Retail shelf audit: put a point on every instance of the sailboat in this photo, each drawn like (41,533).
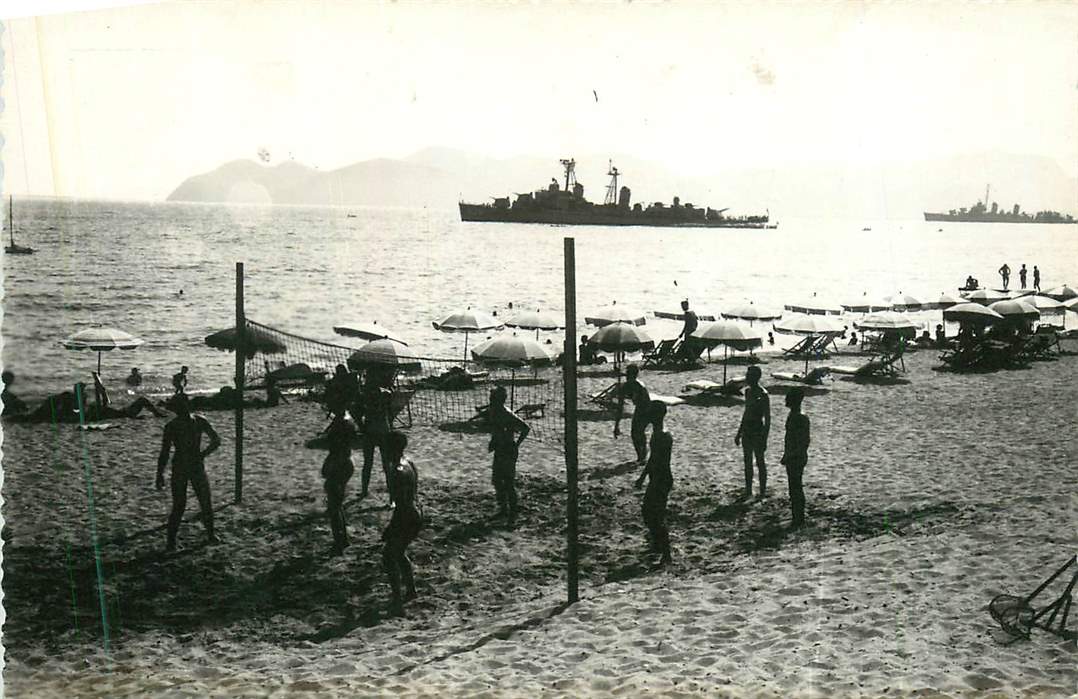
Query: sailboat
(14,249)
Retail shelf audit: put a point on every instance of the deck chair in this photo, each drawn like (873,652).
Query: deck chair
(608,397)
(733,386)
(1017,616)
(803,347)
(400,408)
(880,365)
(811,378)
(662,354)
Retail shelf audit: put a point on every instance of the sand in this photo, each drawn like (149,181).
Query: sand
(925,500)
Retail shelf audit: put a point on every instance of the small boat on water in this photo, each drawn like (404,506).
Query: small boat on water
(13,248)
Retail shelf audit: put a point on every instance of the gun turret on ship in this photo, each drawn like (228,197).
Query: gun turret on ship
(566,205)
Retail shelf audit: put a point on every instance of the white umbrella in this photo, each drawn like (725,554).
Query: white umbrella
(1044,304)
(905,302)
(888,321)
(868,304)
(815,305)
(971,312)
(1015,309)
(367,331)
(751,312)
(728,335)
(621,337)
(1062,293)
(987,296)
(615,314)
(1071,304)
(801,324)
(536,320)
(511,351)
(467,322)
(102,340)
(945,301)
(384,353)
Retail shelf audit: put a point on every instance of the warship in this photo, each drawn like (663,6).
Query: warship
(980,213)
(567,206)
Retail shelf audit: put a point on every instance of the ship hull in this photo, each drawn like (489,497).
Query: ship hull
(490,214)
(988,218)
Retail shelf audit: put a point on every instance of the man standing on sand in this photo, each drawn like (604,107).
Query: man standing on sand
(374,405)
(691,323)
(752,432)
(1005,273)
(661,481)
(638,394)
(795,454)
(1022,276)
(336,470)
(504,425)
(405,523)
(1036,278)
(184,433)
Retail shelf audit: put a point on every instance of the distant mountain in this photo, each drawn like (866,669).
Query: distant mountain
(440,177)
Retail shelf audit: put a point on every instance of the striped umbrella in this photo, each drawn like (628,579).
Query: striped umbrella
(102,340)
(728,335)
(467,322)
(987,296)
(384,353)
(814,305)
(1062,293)
(888,321)
(800,324)
(904,302)
(971,312)
(1015,310)
(751,312)
(868,304)
(945,300)
(1071,304)
(615,314)
(513,352)
(1044,304)
(536,320)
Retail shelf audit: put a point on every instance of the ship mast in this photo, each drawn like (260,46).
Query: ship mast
(987,187)
(612,188)
(570,172)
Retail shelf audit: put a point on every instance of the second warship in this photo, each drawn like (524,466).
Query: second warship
(980,213)
(555,205)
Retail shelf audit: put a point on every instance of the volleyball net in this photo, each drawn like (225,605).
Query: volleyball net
(451,394)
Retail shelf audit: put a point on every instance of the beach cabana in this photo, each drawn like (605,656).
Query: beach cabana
(615,314)
(727,334)
(101,340)
(468,322)
(814,305)
(367,331)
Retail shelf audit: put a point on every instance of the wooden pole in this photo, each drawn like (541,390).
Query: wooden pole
(241,336)
(569,367)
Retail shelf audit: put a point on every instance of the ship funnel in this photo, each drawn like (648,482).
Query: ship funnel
(624,197)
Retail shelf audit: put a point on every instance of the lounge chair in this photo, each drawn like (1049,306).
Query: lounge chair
(733,386)
(804,346)
(879,365)
(400,408)
(811,378)
(662,354)
(608,397)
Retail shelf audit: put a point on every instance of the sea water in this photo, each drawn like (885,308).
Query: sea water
(124,264)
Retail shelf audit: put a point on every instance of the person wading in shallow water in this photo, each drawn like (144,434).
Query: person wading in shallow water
(184,434)
(405,523)
(752,433)
(660,483)
(637,392)
(337,469)
(505,425)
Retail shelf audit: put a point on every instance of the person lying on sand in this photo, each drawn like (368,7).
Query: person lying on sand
(405,523)
(102,409)
(505,425)
(661,481)
(183,434)
(13,405)
(337,468)
(64,407)
(637,392)
(795,454)
(752,433)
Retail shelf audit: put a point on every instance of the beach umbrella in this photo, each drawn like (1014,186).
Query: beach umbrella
(868,304)
(904,302)
(888,321)
(728,335)
(101,340)
(1017,310)
(615,314)
(621,337)
(384,353)
(467,322)
(1044,304)
(751,312)
(678,315)
(801,324)
(367,331)
(1062,293)
(986,296)
(945,301)
(255,340)
(536,320)
(971,312)
(815,305)
(513,352)
(1071,304)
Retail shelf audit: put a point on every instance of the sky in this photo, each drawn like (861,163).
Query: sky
(128,102)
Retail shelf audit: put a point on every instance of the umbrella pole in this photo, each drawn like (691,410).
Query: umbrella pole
(99,362)
(512,386)
(465,348)
(725,356)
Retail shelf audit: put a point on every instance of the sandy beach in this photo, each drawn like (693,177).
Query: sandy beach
(925,499)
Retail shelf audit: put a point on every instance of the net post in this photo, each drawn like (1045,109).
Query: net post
(569,369)
(241,332)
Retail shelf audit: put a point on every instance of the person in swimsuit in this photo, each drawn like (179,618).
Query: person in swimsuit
(690,326)
(134,378)
(336,470)
(13,405)
(179,381)
(1005,273)
(1036,278)
(342,392)
(373,405)
(795,454)
(507,432)
(1022,276)
(184,434)
(661,481)
(404,525)
(637,392)
(752,433)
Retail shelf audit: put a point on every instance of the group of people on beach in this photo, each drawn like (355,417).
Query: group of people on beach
(752,436)
(1005,275)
